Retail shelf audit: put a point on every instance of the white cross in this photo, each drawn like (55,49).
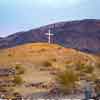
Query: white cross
(49,36)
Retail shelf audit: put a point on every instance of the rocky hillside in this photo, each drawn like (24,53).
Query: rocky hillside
(38,52)
(31,68)
(83,35)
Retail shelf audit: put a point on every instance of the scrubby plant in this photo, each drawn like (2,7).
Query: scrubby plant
(17,66)
(88,69)
(17,96)
(54,59)
(98,65)
(19,69)
(47,64)
(59,48)
(67,80)
(18,80)
(9,55)
(42,50)
(80,67)
(84,68)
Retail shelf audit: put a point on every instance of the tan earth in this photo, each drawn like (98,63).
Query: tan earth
(39,60)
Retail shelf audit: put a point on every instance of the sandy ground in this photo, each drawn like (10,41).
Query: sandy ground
(46,96)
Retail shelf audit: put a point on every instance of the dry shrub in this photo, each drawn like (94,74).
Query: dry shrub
(67,80)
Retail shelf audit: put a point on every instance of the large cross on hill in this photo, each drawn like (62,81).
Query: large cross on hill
(49,34)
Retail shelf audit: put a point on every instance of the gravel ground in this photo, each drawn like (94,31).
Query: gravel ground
(46,96)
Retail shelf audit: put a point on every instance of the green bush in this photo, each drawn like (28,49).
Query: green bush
(18,80)
(80,67)
(88,69)
(47,64)
(19,69)
(9,55)
(66,80)
(54,59)
(98,65)
(84,68)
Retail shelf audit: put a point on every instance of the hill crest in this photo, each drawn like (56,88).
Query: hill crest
(83,35)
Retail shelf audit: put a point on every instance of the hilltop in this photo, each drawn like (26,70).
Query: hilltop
(38,52)
(83,35)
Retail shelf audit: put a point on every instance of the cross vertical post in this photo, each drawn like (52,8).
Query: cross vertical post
(49,34)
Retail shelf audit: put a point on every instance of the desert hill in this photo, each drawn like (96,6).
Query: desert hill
(83,35)
(40,62)
(37,52)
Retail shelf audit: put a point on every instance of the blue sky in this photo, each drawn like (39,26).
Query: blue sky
(21,15)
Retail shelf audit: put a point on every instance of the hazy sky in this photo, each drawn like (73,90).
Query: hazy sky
(20,15)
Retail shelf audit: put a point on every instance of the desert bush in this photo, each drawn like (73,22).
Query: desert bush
(19,69)
(47,64)
(67,66)
(18,80)
(54,59)
(98,65)
(59,48)
(88,69)
(17,96)
(9,55)
(80,67)
(42,50)
(84,68)
(67,80)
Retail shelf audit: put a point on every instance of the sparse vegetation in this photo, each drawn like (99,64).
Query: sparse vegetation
(54,59)
(59,48)
(9,55)
(18,80)
(48,58)
(84,68)
(42,50)
(66,80)
(88,69)
(47,64)
(19,69)
(98,65)
(17,95)
(80,67)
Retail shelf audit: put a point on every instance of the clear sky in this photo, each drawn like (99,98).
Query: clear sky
(20,15)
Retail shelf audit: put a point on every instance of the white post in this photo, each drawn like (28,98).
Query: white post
(49,36)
